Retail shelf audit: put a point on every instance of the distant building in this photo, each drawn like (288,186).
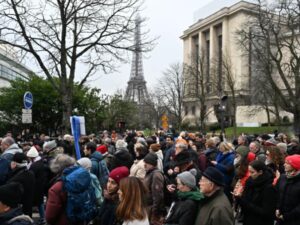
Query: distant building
(10,68)
(214,36)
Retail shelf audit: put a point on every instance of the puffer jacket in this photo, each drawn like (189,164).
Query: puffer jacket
(288,202)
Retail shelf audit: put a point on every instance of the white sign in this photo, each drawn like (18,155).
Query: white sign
(26,111)
(26,118)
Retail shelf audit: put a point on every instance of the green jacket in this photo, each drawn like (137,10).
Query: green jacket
(215,210)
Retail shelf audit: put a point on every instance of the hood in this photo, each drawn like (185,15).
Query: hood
(17,214)
(14,148)
(159,154)
(97,155)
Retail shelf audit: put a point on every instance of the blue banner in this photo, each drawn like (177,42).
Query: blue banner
(76,134)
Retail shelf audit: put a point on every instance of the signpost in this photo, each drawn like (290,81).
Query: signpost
(27,112)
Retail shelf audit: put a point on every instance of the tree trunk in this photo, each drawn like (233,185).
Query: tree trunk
(234,119)
(268,116)
(297,122)
(67,97)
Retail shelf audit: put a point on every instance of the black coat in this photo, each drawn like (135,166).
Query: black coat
(183,212)
(289,199)
(258,200)
(27,180)
(5,218)
(40,174)
(107,212)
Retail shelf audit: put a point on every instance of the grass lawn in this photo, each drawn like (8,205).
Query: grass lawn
(257,130)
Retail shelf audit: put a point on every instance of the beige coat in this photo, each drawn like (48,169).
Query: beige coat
(138,169)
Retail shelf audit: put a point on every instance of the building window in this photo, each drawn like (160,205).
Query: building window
(186,109)
(194,110)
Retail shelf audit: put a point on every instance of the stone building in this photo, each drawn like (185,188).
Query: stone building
(210,44)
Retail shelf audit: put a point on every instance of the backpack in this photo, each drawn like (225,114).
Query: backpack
(81,198)
(102,172)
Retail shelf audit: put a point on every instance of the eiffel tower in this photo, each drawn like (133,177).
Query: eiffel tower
(136,89)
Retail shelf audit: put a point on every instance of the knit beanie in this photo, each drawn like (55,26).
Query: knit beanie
(151,158)
(214,175)
(32,153)
(188,178)
(102,149)
(85,163)
(19,158)
(119,173)
(11,194)
(294,161)
(243,151)
(49,146)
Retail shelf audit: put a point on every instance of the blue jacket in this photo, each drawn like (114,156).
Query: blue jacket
(99,168)
(225,165)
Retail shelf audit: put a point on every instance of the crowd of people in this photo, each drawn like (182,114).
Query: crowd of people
(130,179)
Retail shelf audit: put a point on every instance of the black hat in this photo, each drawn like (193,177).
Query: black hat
(182,158)
(151,158)
(214,175)
(11,194)
(19,158)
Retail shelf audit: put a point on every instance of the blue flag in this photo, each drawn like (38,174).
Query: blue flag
(76,134)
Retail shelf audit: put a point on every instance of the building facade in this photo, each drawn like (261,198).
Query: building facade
(211,45)
(10,68)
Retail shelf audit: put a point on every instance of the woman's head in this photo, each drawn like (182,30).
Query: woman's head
(115,176)
(224,147)
(274,155)
(257,168)
(132,204)
(140,150)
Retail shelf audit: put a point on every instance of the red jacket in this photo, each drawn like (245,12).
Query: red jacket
(56,205)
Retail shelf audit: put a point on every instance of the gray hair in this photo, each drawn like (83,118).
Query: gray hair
(107,140)
(8,140)
(182,146)
(121,144)
(60,162)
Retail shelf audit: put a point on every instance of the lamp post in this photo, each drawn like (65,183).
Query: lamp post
(222,108)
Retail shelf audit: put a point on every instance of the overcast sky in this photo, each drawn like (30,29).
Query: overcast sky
(166,19)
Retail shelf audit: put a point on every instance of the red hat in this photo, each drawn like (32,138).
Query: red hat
(251,157)
(102,149)
(294,161)
(119,173)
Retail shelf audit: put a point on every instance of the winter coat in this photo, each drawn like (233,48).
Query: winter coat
(138,169)
(10,151)
(225,165)
(4,170)
(288,202)
(211,155)
(107,212)
(215,210)
(40,174)
(56,206)
(56,203)
(137,222)
(99,168)
(122,157)
(154,181)
(27,180)
(160,159)
(168,158)
(15,217)
(258,200)
(184,210)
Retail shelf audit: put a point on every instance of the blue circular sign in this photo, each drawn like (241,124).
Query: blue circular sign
(28,100)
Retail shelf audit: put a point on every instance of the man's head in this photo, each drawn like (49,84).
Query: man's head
(60,162)
(18,160)
(179,147)
(254,146)
(10,196)
(89,148)
(150,161)
(211,181)
(6,142)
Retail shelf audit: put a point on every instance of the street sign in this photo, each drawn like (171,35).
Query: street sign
(26,118)
(28,100)
(26,111)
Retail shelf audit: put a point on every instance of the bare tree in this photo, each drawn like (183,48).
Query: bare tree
(171,89)
(273,39)
(230,87)
(62,35)
(197,85)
